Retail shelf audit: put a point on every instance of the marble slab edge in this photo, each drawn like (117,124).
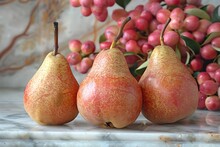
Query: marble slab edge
(107,136)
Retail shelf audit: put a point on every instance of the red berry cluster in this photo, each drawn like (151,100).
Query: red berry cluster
(194,33)
(82,55)
(209,81)
(96,7)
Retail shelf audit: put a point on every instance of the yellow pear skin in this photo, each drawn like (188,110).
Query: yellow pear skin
(110,95)
(170,93)
(50,96)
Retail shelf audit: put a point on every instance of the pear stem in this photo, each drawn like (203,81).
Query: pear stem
(120,32)
(55,38)
(162,33)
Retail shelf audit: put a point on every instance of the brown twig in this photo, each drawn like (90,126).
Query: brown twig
(55,38)
(120,32)
(162,33)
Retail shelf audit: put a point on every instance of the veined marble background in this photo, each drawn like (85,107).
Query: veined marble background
(26,34)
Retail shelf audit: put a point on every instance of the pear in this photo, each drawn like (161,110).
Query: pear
(109,95)
(170,93)
(50,95)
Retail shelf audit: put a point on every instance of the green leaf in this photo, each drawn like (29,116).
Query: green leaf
(204,8)
(133,68)
(102,38)
(193,45)
(178,53)
(198,12)
(140,70)
(129,53)
(210,37)
(187,58)
(216,17)
(139,55)
(217,59)
(195,74)
(216,48)
(123,3)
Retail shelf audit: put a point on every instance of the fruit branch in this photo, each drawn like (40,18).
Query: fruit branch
(120,32)
(162,33)
(152,23)
(56,38)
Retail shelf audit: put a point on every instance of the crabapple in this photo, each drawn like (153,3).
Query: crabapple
(75,45)
(86,11)
(153,7)
(171,38)
(217,76)
(141,24)
(146,15)
(216,42)
(202,76)
(214,27)
(75,3)
(105,45)
(130,34)
(172,2)
(199,36)
(191,23)
(201,103)
(119,13)
(146,47)
(203,25)
(212,103)
(208,87)
(74,58)
(208,52)
(211,68)
(196,64)
(154,38)
(88,47)
(131,59)
(84,65)
(163,15)
(132,46)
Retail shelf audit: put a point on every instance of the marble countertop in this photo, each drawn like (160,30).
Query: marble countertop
(17,129)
